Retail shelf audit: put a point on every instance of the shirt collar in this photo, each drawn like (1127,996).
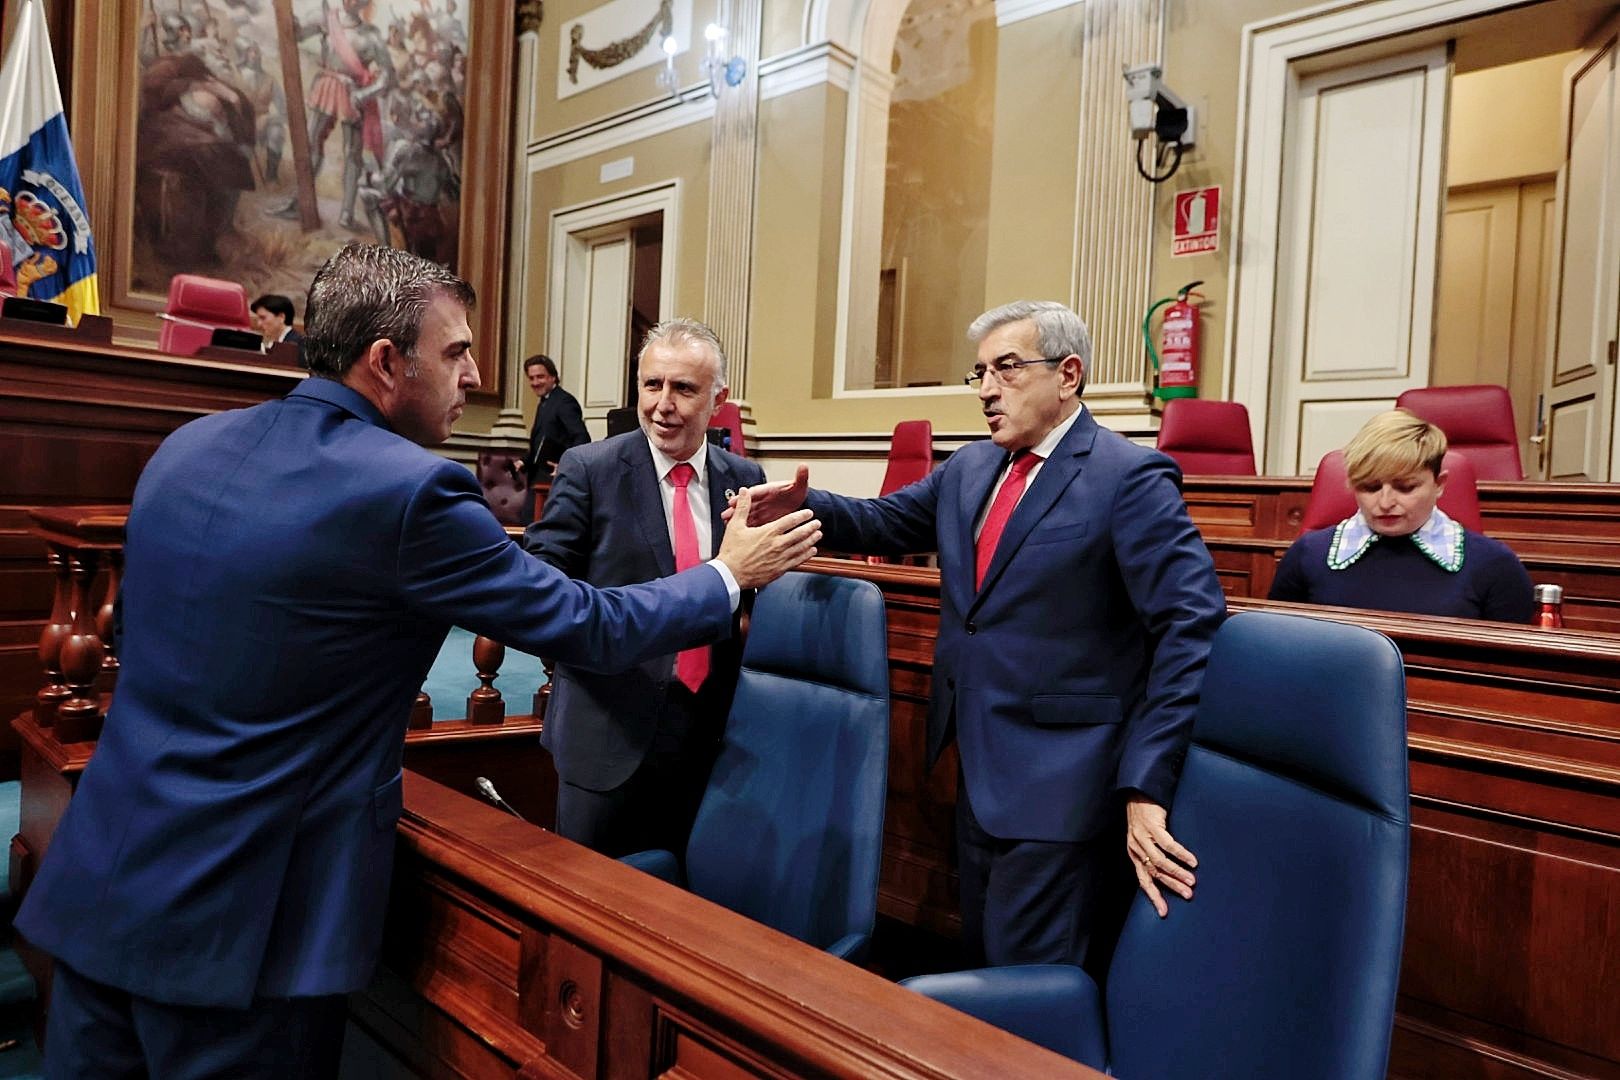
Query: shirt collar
(662,462)
(1048,446)
(343,396)
(1440,538)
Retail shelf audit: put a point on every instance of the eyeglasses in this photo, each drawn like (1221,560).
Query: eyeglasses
(1002,368)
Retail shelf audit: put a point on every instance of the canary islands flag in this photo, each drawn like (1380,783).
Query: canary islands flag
(44,229)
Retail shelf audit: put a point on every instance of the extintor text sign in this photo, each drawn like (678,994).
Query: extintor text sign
(1198,221)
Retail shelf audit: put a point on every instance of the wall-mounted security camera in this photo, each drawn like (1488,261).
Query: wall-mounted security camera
(1157,110)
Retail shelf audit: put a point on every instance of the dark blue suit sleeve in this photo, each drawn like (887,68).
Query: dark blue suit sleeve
(572,421)
(562,536)
(1506,592)
(1290,583)
(456,563)
(902,523)
(1171,580)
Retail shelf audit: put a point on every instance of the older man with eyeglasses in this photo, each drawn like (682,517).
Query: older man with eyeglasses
(1077,605)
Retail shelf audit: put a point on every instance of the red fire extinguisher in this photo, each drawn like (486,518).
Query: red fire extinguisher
(1175,361)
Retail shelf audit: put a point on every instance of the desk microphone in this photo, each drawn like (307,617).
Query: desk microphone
(487,790)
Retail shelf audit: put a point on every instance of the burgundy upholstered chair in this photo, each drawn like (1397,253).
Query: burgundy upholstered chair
(911,455)
(728,416)
(1332,500)
(197,307)
(1207,437)
(1478,422)
(503,489)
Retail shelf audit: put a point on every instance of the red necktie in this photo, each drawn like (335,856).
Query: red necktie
(691,666)
(995,521)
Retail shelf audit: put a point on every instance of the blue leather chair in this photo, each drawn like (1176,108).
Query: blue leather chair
(1285,962)
(790,829)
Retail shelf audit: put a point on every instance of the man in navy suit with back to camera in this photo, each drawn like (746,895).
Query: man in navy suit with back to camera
(634,748)
(1077,606)
(219,881)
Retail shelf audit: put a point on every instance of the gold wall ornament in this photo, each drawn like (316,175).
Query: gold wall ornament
(529,15)
(616,53)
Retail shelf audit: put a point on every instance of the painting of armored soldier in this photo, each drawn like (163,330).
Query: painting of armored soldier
(271,132)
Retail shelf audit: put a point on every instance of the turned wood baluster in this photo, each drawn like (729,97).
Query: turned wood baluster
(55,691)
(484,705)
(421,712)
(107,681)
(78,719)
(542,695)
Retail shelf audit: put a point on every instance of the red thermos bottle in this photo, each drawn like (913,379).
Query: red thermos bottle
(1549,606)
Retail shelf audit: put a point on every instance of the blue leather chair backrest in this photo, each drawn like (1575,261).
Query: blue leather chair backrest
(790,830)
(1294,797)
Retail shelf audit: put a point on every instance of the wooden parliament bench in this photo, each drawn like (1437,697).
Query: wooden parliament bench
(1565,534)
(1513,918)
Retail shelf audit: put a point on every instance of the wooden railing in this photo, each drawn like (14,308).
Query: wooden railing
(1565,534)
(510,950)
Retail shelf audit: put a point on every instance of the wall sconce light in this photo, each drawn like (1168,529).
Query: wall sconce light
(718,68)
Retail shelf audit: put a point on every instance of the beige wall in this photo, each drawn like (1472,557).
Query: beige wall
(1032,188)
(1202,59)
(1506,123)
(551,115)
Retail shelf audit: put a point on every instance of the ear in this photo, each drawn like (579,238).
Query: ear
(720,397)
(1440,479)
(1071,370)
(382,364)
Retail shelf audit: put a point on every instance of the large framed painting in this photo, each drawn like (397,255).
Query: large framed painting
(251,139)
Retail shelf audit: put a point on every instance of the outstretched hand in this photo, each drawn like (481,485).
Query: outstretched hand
(771,501)
(1158,859)
(757,555)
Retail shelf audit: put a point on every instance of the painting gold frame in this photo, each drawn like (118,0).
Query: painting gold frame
(102,114)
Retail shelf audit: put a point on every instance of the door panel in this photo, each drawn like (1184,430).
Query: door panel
(1362,195)
(1580,383)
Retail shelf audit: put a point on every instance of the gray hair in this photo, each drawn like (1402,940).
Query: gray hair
(364,293)
(1059,330)
(686,331)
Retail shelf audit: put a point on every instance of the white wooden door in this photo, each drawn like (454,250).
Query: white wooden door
(1580,391)
(1363,189)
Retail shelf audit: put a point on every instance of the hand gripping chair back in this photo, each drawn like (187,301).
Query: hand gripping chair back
(1332,500)
(1478,422)
(790,829)
(1286,961)
(1295,802)
(197,306)
(1207,437)
(911,455)
(503,489)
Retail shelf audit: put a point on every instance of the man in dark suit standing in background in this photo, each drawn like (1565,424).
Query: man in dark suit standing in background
(1077,606)
(558,422)
(219,882)
(634,749)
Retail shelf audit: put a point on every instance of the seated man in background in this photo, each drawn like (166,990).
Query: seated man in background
(1077,606)
(1399,551)
(273,318)
(634,748)
(219,881)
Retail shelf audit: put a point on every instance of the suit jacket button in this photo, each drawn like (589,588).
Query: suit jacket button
(972,627)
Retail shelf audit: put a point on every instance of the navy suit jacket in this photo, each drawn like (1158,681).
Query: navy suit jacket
(291,571)
(604,523)
(1073,674)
